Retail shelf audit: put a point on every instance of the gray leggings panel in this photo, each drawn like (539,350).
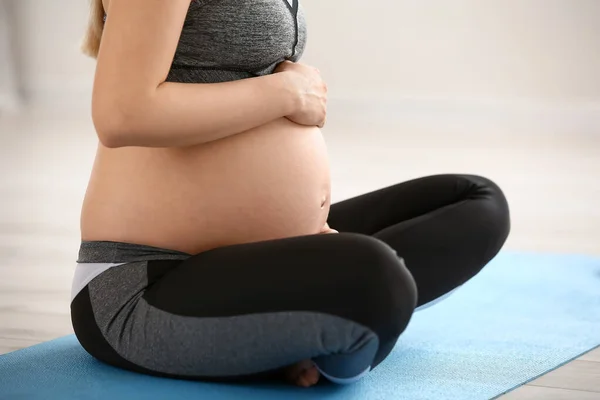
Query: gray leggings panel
(206,346)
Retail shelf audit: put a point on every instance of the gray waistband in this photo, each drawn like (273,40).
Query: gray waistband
(117,252)
(97,257)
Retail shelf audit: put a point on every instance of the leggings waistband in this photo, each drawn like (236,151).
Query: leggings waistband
(97,257)
(118,252)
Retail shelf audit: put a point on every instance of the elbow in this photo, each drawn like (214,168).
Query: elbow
(112,126)
(117,124)
(111,138)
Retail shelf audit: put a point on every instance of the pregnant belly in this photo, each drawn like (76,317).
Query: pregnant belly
(267,183)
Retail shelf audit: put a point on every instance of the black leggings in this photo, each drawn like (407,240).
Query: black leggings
(341,300)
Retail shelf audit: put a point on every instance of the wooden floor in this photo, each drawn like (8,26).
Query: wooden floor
(552,182)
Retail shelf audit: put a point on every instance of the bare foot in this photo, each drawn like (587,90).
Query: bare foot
(303,374)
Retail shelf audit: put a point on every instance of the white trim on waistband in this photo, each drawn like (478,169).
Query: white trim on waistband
(85,272)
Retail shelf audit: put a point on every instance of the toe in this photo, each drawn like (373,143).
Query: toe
(313,375)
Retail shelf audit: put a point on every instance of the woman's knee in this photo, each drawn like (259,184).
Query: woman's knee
(494,209)
(387,288)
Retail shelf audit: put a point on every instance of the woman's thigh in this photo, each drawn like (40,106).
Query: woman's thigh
(445,227)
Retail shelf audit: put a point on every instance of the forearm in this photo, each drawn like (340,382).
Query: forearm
(182,114)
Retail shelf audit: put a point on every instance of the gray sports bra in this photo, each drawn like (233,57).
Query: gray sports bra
(226,40)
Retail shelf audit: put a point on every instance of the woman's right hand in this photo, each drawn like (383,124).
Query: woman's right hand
(311,91)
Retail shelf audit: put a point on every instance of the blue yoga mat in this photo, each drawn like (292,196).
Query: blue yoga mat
(524,315)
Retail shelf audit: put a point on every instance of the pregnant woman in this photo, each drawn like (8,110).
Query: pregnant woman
(209,246)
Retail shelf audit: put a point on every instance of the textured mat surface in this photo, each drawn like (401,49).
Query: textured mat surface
(523,316)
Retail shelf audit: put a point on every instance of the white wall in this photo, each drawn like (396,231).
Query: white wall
(479,50)
(502,49)
(9,95)
(48,36)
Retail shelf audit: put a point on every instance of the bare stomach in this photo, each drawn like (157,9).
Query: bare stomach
(268,183)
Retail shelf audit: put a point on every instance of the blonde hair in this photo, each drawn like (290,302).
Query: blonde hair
(93,35)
